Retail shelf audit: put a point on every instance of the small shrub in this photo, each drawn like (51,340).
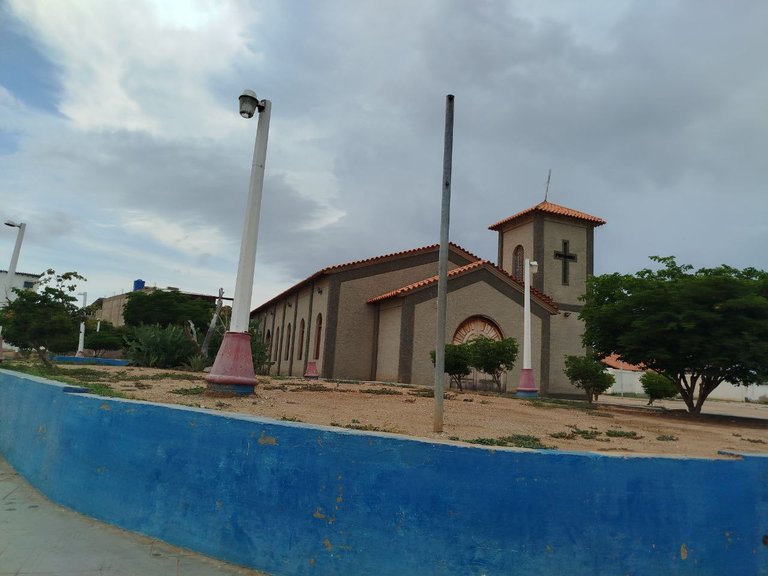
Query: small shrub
(196,363)
(588,373)
(657,386)
(157,347)
(667,438)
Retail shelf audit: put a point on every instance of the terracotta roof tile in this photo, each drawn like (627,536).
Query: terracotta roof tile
(394,255)
(458,272)
(426,282)
(613,361)
(362,263)
(551,208)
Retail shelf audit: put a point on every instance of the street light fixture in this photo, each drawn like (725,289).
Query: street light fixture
(527,387)
(14,258)
(232,371)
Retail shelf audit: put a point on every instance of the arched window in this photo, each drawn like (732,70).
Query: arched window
(301,338)
(277,343)
(475,326)
(318,335)
(269,343)
(518,263)
(287,342)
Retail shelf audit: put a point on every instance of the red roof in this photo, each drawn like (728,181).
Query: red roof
(366,262)
(393,256)
(551,208)
(543,298)
(613,361)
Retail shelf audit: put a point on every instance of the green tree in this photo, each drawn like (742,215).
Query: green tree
(657,386)
(165,308)
(696,328)
(494,357)
(45,321)
(106,339)
(457,359)
(588,373)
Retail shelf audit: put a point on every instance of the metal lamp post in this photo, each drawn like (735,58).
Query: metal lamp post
(14,258)
(527,386)
(232,371)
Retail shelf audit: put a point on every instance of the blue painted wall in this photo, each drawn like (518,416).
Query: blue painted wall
(289,498)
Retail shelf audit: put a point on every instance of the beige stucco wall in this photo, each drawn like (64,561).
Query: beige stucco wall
(476,299)
(274,318)
(521,235)
(112,309)
(355,328)
(555,232)
(566,332)
(388,357)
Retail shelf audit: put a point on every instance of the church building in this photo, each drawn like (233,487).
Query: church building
(376,319)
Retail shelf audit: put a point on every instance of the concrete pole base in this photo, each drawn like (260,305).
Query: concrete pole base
(232,371)
(527,387)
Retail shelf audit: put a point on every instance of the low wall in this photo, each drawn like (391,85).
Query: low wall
(289,498)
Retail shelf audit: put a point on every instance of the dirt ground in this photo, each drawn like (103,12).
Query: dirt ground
(612,425)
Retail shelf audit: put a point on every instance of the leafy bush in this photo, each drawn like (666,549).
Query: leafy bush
(457,362)
(588,373)
(657,386)
(493,357)
(107,338)
(158,347)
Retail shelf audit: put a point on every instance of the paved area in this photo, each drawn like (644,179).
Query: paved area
(712,407)
(38,537)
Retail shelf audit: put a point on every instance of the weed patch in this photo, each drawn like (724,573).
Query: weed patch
(631,434)
(667,438)
(382,391)
(189,391)
(515,441)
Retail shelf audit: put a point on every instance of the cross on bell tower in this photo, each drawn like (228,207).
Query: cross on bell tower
(566,258)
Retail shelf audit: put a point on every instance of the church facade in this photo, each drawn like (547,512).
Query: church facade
(376,319)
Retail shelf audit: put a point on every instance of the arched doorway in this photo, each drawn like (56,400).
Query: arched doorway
(472,328)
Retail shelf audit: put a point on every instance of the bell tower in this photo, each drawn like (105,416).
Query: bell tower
(561,241)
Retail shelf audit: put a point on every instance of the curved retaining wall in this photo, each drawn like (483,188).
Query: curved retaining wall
(290,498)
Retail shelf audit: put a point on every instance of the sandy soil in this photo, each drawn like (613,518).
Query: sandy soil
(612,425)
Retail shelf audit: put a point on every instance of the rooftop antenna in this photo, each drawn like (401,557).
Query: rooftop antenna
(546,190)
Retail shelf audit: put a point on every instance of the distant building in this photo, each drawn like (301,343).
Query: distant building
(111,309)
(21,280)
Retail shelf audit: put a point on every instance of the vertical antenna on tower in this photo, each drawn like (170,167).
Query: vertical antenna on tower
(546,190)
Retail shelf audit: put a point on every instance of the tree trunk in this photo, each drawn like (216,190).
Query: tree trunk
(43,354)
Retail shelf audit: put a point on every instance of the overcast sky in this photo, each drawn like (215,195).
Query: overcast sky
(122,149)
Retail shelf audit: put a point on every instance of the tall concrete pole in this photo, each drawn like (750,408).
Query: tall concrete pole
(442,280)
(14,259)
(232,371)
(241,306)
(527,386)
(81,339)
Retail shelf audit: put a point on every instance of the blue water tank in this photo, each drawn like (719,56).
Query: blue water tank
(138,284)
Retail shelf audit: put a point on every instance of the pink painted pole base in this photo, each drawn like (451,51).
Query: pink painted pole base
(232,371)
(311,370)
(527,387)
